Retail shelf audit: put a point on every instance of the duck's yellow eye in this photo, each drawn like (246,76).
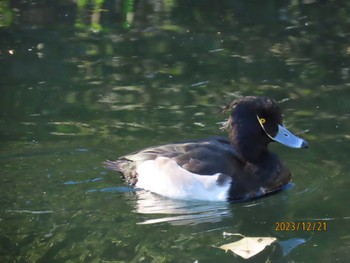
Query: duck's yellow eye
(262,120)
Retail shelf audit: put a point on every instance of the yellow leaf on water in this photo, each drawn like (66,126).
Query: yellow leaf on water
(248,246)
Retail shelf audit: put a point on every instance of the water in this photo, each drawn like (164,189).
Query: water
(77,89)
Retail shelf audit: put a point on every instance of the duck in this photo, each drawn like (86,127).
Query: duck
(236,168)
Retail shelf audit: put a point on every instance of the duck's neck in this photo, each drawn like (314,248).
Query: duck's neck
(252,152)
(250,149)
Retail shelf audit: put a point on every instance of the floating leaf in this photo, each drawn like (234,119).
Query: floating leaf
(248,246)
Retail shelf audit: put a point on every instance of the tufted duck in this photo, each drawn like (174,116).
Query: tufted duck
(234,169)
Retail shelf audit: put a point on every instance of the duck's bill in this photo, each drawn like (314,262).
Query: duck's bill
(287,138)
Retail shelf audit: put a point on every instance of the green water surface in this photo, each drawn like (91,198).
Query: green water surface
(85,81)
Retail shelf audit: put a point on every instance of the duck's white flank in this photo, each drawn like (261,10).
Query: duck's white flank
(165,177)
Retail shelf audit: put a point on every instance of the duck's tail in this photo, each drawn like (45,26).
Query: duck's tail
(125,167)
(117,165)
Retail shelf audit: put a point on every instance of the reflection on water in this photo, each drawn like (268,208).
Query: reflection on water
(288,245)
(29,211)
(81,182)
(179,212)
(84,81)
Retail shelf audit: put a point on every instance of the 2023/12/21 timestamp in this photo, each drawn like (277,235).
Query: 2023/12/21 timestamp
(301,226)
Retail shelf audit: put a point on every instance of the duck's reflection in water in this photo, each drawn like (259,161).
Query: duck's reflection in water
(179,212)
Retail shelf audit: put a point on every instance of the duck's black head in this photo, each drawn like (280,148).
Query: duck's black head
(254,123)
